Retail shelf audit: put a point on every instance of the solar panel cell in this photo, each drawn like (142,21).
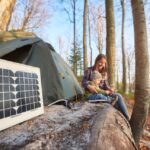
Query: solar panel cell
(13,104)
(1,96)
(0,71)
(13,112)
(1,105)
(7,112)
(1,114)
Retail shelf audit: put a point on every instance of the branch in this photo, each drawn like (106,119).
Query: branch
(68,15)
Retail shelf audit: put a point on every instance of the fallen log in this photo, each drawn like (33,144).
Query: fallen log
(91,126)
(111,131)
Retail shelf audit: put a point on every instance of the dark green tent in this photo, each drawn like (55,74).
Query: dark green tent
(58,81)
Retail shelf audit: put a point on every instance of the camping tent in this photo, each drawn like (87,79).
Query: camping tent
(58,81)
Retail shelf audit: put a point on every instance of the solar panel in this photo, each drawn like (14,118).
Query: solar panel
(20,93)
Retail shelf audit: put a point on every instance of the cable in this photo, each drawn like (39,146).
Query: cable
(60,100)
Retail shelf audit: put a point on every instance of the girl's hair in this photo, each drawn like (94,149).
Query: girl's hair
(98,58)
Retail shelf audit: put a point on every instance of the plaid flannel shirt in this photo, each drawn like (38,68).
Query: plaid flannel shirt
(87,77)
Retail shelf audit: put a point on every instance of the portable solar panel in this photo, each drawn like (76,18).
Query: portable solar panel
(20,93)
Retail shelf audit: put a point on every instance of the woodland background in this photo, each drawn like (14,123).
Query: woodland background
(80,30)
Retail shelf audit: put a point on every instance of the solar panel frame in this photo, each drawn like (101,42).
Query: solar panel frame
(20,93)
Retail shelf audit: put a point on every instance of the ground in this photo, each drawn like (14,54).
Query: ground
(145,140)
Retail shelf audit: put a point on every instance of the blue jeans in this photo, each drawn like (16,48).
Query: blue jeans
(120,105)
(99,96)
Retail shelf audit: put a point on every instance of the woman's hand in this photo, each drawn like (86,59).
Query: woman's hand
(112,90)
(92,89)
(108,92)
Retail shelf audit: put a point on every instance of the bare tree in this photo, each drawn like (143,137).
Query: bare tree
(100,30)
(110,41)
(97,24)
(130,61)
(74,35)
(6,9)
(124,63)
(89,31)
(118,73)
(72,18)
(60,42)
(142,84)
(29,15)
(85,34)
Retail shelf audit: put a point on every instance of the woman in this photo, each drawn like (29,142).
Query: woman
(101,66)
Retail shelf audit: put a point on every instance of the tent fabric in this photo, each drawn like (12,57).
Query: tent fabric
(58,80)
(9,46)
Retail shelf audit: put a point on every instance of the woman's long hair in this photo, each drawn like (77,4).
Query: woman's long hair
(99,57)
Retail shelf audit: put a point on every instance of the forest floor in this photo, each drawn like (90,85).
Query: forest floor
(145,140)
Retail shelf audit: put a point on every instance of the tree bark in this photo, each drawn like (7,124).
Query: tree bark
(96,18)
(117,79)
(111,131)
(100,35)
(124,63)
(6,9)
(129,76)
(85,34)
(60,128)
(89,30)
(110,41)
(142,84)
(74,37)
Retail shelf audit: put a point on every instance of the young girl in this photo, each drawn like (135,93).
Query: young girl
(101,95)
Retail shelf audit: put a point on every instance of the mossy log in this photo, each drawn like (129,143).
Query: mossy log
(91,126)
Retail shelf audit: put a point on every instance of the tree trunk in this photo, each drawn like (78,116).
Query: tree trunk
(100,38)
(142,84)
(117,79)
(6,9)
(124,63)
(129,73)
(111,131)
(110,41)
(74,37)
(89,29)
(85,34)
